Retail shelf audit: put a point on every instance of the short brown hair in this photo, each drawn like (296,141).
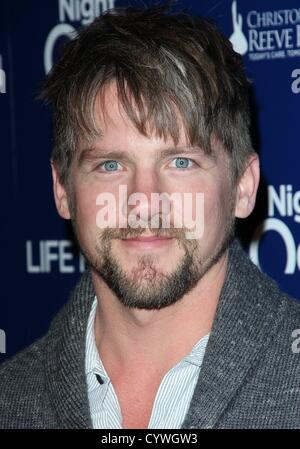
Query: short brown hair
(158,61)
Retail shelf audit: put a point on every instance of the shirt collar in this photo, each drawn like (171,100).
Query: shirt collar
(93,362)
(196,355)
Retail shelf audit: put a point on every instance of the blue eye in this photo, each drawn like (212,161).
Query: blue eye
(182,162)
(110,165)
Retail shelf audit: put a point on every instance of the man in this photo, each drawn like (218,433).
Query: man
(168,327)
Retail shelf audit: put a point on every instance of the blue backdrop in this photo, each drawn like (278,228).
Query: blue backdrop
(39,264)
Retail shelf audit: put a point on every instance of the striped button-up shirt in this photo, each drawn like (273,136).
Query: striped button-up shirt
(172,398)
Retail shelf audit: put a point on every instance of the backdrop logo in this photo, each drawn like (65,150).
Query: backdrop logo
(2,342)
(271,34)
(238,38)
(2,78)
(47,256)
(82,12)
(296,343)
(285,203)
(295,86)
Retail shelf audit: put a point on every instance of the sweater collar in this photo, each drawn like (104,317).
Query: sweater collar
(65,358)
(248,314)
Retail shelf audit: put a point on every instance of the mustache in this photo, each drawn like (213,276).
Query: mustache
(122,233)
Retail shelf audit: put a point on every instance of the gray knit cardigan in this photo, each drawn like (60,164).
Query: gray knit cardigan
(250,377)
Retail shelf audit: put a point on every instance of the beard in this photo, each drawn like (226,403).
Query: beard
(146,286)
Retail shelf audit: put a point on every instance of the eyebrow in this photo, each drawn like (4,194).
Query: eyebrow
(182,150)
(93,153)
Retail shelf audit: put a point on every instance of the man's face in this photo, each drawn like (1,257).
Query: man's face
(148,275)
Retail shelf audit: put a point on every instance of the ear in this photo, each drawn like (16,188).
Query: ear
(60,194)
(247,188)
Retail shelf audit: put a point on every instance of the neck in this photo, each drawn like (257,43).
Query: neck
(128,338)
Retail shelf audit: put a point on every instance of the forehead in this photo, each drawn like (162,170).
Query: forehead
(116,127)
(118,134)
(111,115)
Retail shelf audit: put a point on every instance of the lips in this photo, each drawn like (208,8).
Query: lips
(147,243)
(147,239)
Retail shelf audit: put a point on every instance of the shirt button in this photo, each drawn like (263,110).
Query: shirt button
(99,378)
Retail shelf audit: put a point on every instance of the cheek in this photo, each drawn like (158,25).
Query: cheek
(86,207)
(216,208)
(96,208)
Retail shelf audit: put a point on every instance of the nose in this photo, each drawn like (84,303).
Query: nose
(142,209)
